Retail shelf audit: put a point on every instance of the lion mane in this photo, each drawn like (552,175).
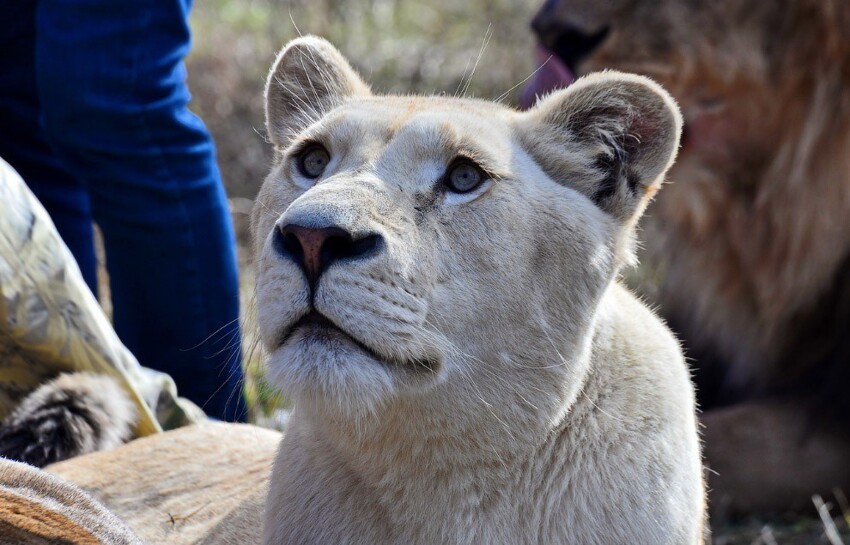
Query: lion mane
(748,249)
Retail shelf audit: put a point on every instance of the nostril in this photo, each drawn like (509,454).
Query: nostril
(292,245)
(344,246)
(537,24)
(361,247)
(286,244)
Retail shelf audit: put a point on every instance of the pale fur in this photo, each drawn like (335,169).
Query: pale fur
(521,395)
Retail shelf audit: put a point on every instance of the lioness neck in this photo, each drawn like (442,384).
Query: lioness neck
(419,490)
(414,475)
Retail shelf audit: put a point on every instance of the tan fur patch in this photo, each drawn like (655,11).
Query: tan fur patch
(31,523)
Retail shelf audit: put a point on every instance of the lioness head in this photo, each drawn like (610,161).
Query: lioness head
(433,248)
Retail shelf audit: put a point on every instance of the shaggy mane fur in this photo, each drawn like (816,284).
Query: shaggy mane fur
(763,299)
(747,250)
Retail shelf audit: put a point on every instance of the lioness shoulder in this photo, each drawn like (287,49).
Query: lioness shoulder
(437,293)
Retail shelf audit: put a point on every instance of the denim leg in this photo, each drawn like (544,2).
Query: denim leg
(111,80)
(23,142)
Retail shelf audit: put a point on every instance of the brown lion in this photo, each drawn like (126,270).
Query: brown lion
(751,242)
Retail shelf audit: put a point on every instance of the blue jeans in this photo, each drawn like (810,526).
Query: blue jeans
(93,115)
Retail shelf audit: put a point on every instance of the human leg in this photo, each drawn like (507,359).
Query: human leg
(23,142)
(111,79)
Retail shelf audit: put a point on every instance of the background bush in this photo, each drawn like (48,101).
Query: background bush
(398,47)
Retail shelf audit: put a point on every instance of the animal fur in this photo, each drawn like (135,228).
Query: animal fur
(38,508)
(752,238)
(203,484)
(71,415)
(478,376)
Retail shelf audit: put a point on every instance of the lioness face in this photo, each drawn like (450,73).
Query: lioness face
(413,246)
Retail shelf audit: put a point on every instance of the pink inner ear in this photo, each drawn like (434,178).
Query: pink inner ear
(643,128)
(552,74)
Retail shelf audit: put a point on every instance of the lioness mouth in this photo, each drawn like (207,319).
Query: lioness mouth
(315,317)
(322,326)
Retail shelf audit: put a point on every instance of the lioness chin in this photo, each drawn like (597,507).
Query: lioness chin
(437,292)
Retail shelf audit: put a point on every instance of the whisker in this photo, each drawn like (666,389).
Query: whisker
(487,35)
(501,97)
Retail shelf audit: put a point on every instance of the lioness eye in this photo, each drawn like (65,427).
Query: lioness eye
(463,177)
(313,161)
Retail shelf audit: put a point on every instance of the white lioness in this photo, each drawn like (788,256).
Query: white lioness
(437,292)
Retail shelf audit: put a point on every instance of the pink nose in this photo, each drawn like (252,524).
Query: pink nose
(315,249)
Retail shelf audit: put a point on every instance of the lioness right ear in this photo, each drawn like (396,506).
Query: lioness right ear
(611,136)
(309,78)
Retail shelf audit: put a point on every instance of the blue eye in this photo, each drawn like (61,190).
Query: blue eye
(313,161)
(464,176)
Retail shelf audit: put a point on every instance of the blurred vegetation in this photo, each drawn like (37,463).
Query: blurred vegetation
(398,47)
(787,530)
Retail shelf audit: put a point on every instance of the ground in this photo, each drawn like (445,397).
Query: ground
(478,48)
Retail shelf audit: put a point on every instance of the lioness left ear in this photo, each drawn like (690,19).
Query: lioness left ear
(611,136)
(309,78)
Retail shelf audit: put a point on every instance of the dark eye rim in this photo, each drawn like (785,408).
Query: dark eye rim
(464,161)
(302,154)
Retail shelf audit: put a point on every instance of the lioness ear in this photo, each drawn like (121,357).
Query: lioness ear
(611,136)
(309,78)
